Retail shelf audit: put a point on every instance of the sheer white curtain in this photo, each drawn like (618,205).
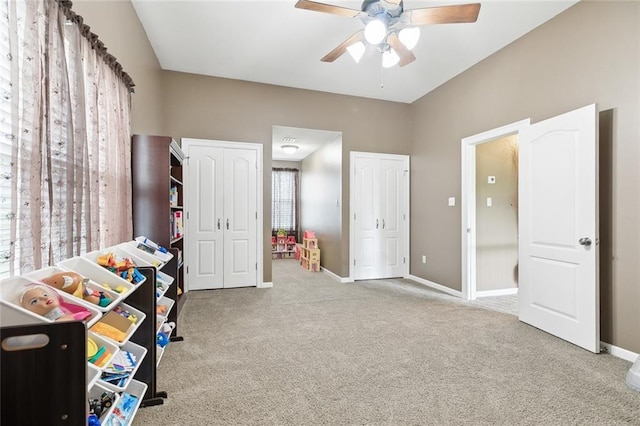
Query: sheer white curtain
(65,165)
(284,206)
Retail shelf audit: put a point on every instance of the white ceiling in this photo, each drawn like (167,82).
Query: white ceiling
(273,42)
(307,141)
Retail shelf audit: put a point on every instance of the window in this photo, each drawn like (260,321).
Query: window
(64,150)
(284,193)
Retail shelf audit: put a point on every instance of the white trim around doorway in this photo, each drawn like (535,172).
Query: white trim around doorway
(468,151)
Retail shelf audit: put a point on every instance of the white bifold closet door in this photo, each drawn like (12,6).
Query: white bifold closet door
(222,242)
(380,209)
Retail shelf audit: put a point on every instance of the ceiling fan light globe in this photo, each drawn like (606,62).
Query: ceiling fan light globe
(375,31)
(356,51)
(389,58)
(409,37)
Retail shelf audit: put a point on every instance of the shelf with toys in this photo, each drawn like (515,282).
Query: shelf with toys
(309,252)
(158,205)
(283,246)
(78,290)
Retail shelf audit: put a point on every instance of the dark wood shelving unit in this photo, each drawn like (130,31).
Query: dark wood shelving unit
(156,168)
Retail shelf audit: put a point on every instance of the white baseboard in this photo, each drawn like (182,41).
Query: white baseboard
(619,352)
(265,285)
(435,286)
(501,292)
(334,276)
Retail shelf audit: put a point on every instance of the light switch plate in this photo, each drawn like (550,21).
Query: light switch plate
(452,201)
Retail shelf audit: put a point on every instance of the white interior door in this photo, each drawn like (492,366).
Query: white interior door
(205,228)
(379,221)
(366,217)
(222,199)
(240,213)
(558,227)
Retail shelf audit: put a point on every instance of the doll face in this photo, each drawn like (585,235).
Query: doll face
(39,300)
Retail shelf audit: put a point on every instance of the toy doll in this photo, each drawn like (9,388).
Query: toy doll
(45,301)
(74,284)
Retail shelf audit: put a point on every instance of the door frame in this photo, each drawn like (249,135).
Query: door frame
(352,200)
(185,144)
(468,202)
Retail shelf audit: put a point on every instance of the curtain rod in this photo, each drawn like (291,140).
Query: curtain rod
(96,44)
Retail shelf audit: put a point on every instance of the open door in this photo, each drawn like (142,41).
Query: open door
(558,227)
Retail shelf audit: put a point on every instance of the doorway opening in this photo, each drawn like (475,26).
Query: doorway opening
(306,193)
(490,216)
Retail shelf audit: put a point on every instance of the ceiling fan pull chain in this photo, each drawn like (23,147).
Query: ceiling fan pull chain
(381,76)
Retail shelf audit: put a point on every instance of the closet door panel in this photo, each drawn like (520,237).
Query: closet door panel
(240,218)
(207,235)
(367,221)
(392,196)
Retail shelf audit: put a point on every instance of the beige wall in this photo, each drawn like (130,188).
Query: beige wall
(320,200)
(588,54)
(216,108)
(497,226)
(117,25)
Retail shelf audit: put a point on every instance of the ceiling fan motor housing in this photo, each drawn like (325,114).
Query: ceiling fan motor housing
(387,11)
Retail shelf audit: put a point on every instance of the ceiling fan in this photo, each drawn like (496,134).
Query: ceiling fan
(391,28)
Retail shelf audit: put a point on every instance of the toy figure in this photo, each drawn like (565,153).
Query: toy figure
(45,301)
(74,284)
(69,282)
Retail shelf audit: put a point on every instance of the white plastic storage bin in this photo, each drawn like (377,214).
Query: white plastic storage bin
(143,243)
(165,301)
(146,258)
(115,319)
(96,393)
(98,274)
(138,352)
(115,297)
(12,313)
(107,345)
(126,409)
(120,255)
(633,376)
(163,282)
(93,374)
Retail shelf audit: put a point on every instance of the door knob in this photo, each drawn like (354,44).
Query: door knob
(584,241)
(218,223)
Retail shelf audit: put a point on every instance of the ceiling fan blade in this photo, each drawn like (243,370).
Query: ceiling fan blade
(406,56)
(338,51)
(327,8)
(442,15)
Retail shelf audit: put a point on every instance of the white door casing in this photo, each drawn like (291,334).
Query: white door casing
(558,227)
(379,216)
(468,200)
(223,242)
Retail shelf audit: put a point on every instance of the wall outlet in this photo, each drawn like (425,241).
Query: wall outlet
(424,259)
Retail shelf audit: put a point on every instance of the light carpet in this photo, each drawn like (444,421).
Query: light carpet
(311,351)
